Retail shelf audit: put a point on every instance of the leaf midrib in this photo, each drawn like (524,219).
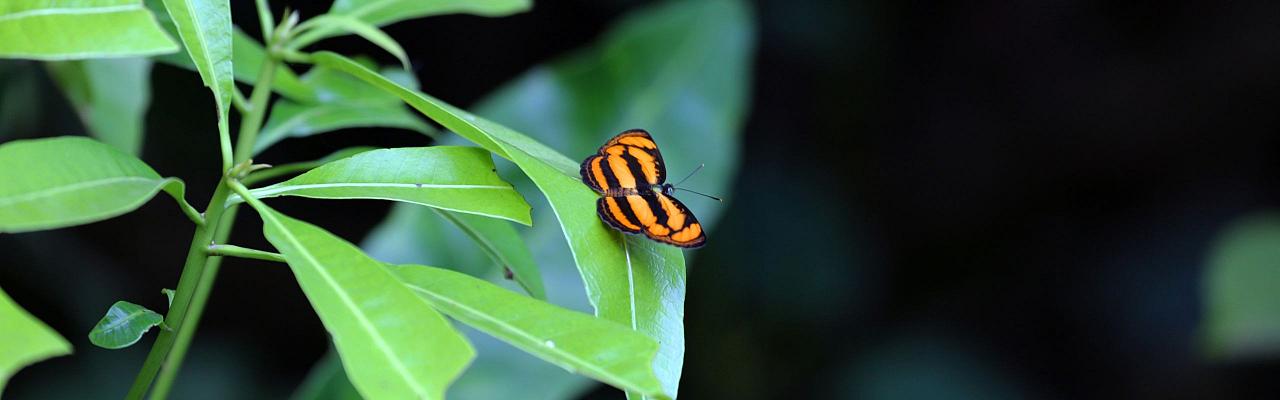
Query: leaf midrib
(363,321)
(537,342)
(285,188)
(70,11)
(24,197)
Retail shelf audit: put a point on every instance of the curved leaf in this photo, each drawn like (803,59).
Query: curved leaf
(598,348)
(67,181)
(205,29)
(503,245)
(446,177)
(634,281)
(111,96)
(1242,307)
(383,12)
(343,23)
(248,58)
(392,344)
(26,340)
(340,102)
(65,30)
(123,325)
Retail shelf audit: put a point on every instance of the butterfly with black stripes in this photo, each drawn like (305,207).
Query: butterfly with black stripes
(628,171)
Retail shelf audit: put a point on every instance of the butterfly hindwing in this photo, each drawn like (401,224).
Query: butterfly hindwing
(616,212)
(677,226)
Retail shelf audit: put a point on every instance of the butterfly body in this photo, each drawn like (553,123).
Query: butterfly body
(630,174)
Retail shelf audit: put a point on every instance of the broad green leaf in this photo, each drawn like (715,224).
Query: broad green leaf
(66,181)
(460,179)
(205,29)
(348,24)
(111,96)
(392,344)
(598,348)
(634,281)
(503,245)
(72,30)
(680,70)
(25,340)
(1242,306)
(124,325)
(341,102)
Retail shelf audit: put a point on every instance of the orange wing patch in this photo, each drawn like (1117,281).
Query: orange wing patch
(628,170)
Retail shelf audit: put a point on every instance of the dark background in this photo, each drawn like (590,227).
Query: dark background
(980,200)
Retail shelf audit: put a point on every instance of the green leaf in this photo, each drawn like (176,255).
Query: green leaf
(384,12)
(343,23)
(111,96)
(601,349)
(71,30)
(503,245)
(634,281)
(341,102)
(460,179)
(168,294)
(392,343)
(124,325)
(290,168)
(1242,307)
(67,181)
(25,340)
(205,29)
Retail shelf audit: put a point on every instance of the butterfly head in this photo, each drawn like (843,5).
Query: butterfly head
(667,189)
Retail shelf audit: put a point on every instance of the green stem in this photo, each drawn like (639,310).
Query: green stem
(192,274)
(200,270)
(227,250)
(169,370)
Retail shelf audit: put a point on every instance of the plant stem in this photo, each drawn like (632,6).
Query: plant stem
(227,250)
(169,370)
(192,274)
(200,270)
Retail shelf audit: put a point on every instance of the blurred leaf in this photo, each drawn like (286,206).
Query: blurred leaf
(393,344)
(205,29)
(680,70)
(326,381)
(63,30)
(25,340)
(20,98)
(1242,306)
(123,325)
(447,177)
(597,348)
(67,181)
(168,294)
(340,102)
(111,96)
(503,244)
(348,24)
(248,57)
(633,281)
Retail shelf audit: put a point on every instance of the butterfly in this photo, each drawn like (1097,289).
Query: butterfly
(628,171)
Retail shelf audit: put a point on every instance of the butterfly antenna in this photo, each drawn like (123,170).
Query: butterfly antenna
(702,194)
(686,177)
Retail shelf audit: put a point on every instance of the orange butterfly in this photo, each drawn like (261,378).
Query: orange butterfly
(629,172)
